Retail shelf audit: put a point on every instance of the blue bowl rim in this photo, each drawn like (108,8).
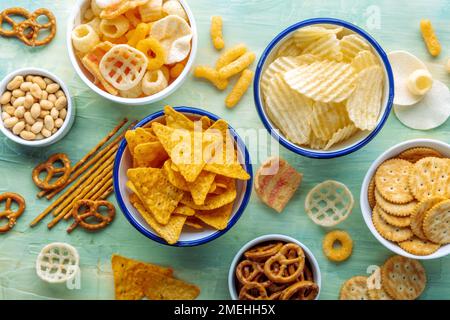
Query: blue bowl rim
(191,243)
(264,118)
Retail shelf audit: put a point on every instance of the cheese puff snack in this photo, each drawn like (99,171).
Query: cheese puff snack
(114,28)
(138,34)
(154,82)
(216,32)
(157,55)
(84,38)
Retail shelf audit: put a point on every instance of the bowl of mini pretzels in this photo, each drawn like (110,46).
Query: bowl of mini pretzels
(274,267)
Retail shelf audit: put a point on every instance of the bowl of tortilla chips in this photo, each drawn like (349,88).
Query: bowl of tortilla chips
(182,176)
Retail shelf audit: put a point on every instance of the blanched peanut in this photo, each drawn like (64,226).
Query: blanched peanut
(63,114)
(48,81)
(43,114)
(44,95)
(46,105)
(29,118)
(26,86)
(11,122)
(18,93)
(46,133)
(29,100)
(40,82)
(19,113)
(6,115)
(18,127)
(39,137)
(19,102)
(59,93)
(52,98)
(27,135)
(35,110)
(36,91)
(54,113)
(49,123)
(37,127)
(54,130)
(59,123)
(29,78)
(27,127)
(9,109)
(6,97)
(61,103)
(52,88)
(12,100)
(15,83)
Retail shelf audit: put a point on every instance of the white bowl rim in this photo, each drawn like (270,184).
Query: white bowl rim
(272,237)
(67,121)
(366,211)
(134,101)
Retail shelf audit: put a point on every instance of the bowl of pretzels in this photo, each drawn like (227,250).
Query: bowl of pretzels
(132,52)
(274,267)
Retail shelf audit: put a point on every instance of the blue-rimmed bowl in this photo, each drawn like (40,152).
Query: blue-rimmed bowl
(361,138)
(189,236)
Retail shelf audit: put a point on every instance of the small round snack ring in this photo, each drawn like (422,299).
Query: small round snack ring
(5,17)
(92,211)
(153,51)
(277,267)
(263,252)
(340,253)
(49,166)
(253,291)
(7,213)
(36,28)
(57,263)
(247,271)
(302,290)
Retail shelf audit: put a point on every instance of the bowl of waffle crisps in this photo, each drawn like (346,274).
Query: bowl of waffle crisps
(182,176)
(324,88)
(274,267)
(132,52)
(405,199)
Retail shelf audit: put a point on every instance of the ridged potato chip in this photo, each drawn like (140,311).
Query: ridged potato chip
(341,135)
(351,45)
(324,81)
(306,35)
(363,60)
(289,49)
(328,118)
(326,47)
(364,105)
(289,110)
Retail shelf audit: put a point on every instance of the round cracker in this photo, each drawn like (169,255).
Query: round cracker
(403,278)
(399,210)
(430,177)
(378,294)
(415,154)
(436,224)
(419,247)
(371,193)
(354,289)
(395,221)
(389,232)
(419,213)
(391,180)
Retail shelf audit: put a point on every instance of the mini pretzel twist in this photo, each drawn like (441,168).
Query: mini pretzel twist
(5,17)
(251,272)
(263,252)
(52,171)
(253,291)
(287,265)
(9,214)
(92,211)
(36,27)
(302,290)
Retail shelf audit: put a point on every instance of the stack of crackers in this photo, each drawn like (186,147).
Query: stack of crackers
(410,198)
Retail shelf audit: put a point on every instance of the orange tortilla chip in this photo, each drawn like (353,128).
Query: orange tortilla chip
(213,201)
(217,218)
(193,222)
(177,120)
(171,231)
(124,270)
(150,154)
(136,137)
(157,194)
(184,210)
(175,177)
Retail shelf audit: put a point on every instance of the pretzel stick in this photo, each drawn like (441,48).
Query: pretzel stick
(105,193)
(72,188)
(89,154)
(85,190)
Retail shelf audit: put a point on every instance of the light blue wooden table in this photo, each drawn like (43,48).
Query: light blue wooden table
(254,22)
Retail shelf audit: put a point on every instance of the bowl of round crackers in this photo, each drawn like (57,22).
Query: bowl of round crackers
(182,176)
(405,199)
(324,88)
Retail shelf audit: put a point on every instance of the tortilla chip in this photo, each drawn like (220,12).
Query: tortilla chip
(175,177)
(232,170)
(193,222)
(150,154)
(177,120)
(184,210)
(217,218)
(124,270)
(213,201)
(136,137)
(158,195)
(171,231)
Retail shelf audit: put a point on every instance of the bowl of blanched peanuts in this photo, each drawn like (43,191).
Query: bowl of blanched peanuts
(132,52)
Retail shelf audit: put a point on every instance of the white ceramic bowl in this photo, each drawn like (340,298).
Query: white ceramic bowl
(360,139)
(189,236)
(271,237)
(442,147)
(68,122)
(75,20)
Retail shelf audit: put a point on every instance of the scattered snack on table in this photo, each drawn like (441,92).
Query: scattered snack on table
(28,30)
(127,46)
(329,203)
(275,270)
(430,38)
(33,107)
(58,262)
(420,82)
(62,172)
(216,32)
(355,289)
(91,209)
(241,86)
(276,182)
(319,111)
(135,280)
(411,200)
(337,245)
(166,186)
(8,213)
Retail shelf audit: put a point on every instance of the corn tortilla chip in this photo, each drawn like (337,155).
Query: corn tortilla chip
(177,120)
(136,137)
(193,222)
(150,154)
(213,201)
(217,218)
(184,210)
